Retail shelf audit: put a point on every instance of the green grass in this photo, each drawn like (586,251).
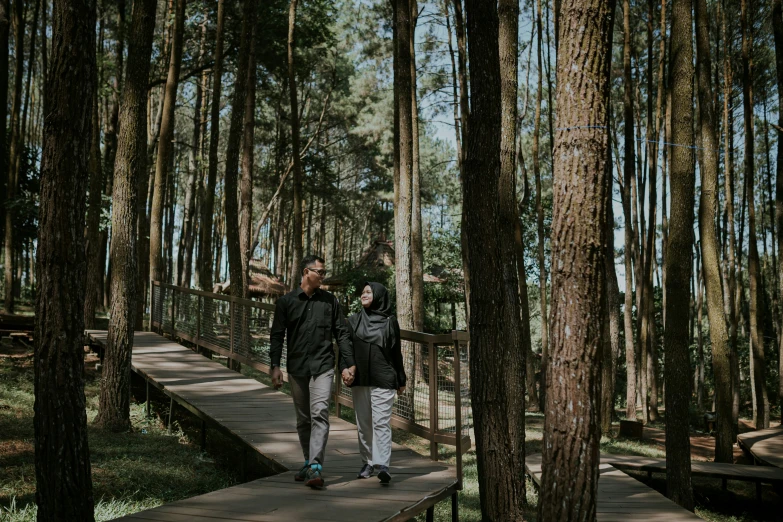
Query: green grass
(132,471)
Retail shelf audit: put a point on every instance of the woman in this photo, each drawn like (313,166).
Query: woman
(378,375)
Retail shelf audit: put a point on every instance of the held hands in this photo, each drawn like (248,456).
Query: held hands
(348,375)
(400,390)
(277,377)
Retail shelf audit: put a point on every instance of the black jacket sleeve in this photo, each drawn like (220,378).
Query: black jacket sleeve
(342,335)
(396,355)
(277,334)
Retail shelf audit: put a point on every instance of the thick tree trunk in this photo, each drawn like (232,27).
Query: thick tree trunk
(403,207)
(757,362)
(579,241)
(417,246)
(206,228)
(62,458)
(94,269)
(295,274)
(710,254)
(231,212)
(498,398)
(131,165)
(165,145)
(11,184)
(246,185)
(630,240)
(679,265)
(777,24)
(542,274)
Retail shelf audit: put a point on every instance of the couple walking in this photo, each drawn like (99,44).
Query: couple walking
(370,362)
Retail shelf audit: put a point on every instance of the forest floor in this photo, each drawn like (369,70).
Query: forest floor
(149,466)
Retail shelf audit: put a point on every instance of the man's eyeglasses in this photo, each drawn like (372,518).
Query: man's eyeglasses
(321,272)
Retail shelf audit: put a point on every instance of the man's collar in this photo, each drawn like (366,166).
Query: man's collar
(299,291)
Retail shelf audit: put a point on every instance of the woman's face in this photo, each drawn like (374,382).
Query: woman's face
(367,296)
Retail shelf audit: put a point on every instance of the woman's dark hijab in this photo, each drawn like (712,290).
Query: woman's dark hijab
(371,324)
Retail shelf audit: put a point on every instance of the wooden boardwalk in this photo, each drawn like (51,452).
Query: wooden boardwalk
(622,498)
(263,419)
(718,470)
(766,446)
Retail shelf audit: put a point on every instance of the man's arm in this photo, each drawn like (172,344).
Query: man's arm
(396,353)
(342,334)
(277,334)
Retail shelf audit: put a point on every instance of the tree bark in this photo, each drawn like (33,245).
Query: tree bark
(679,262)
(18,24)
(498,398)
(710,253)
(165,145)
(417,246)
(579,241)
(205,241)
(777,24)
(231,212)
(131,165)
(628,173)
(403,207)
(62,459)
(246,185)
(296,274)
(757,363)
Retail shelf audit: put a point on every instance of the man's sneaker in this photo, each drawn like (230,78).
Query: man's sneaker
(366,472)
(383,475)
(314,478)
(301,475)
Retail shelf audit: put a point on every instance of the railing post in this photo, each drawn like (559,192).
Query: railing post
(198,323)
(173,311)
(231,338)
(152,308)
(433,357)
(457,407)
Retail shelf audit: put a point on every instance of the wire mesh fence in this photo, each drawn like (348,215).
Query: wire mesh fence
(436,402)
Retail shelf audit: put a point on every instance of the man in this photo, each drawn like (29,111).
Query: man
(308,317)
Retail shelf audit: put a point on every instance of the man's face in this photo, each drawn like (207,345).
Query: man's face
(314,274)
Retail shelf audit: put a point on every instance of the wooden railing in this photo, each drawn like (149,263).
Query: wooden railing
(435,405)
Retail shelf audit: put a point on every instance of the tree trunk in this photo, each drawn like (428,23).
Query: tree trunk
(25,107)
(246,186)
(698,326)
(205,241)
(403,208)
(579,242)
(542,274)
(165,145)
(710,255)
(757,363)
(62,458)
(94,270)
(417,247)
(296,274)
(679,265)
(231,212)
(777,24)
(495,362)
(131,165)
(628,173)
(5,23)
(18,23)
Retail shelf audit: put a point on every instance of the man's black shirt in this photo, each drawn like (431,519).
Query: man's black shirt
(308,324)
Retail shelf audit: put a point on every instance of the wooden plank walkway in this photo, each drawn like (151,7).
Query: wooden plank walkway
(766,446)
(718,470)
(264,420)
(622,498)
